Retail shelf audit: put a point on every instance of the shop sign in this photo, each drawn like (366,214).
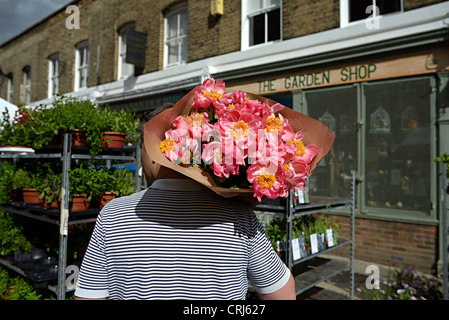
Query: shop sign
(375,70)
(135,48)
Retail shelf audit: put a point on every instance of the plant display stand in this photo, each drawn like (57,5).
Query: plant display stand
(63,217)
(305,280)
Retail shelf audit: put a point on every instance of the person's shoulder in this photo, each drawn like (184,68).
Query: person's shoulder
(129,200)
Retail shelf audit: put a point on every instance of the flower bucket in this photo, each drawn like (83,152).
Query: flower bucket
(106,197)
(30,195)
(113,139)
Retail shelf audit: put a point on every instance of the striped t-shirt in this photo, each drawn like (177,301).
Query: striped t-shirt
(178,240)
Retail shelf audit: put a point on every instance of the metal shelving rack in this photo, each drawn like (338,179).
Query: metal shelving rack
(307,280)
(66,156)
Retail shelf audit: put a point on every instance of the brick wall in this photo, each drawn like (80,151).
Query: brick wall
(392,243)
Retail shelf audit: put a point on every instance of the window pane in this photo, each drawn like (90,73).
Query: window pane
(337,109)
(254,5)
(388,6)
(81,51)
(173,26)
(183,49)
(273,3)
(257,29)
(357,9)
(274,25)
(173,52)
(398,145)
(183,23)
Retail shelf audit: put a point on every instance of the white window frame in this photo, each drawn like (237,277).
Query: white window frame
(345,13)
(10,89)
(27,85)
(124,70)
(82,47)
(179,38)
(246,24)
(53,75)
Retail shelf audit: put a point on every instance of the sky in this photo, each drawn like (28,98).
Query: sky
(18,15)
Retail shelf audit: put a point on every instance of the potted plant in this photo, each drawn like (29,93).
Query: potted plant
(80,188)
(76,116)
(22,130)
(11,236)
(7,172)
(116,125)
(50,188)
(27,181)
(112,183)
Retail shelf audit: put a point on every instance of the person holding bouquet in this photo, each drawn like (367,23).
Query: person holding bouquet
(193,234)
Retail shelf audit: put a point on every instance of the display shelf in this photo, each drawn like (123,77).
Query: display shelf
(341,242)
(51,215)
(312,274)
(293,210)
(62,216)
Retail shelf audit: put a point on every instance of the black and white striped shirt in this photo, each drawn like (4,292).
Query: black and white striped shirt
(178,240)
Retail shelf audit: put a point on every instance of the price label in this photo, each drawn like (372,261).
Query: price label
(295,249)
(314,242)
(330,238)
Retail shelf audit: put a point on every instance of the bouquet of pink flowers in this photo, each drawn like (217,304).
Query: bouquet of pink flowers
(241,142)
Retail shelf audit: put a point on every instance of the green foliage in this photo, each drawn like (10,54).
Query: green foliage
(23,130)
(445,159)
(94,182)
(16,288)
(276,231)
(50,185)
(11,236)
(7,171)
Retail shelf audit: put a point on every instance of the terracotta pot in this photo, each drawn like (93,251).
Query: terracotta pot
(113,139)
(23,147)
(79,203)
(51,205)
(106,197)
(79,138)
(31,196)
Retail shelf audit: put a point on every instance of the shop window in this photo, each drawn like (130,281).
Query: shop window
(337,108)
(397,155)
(175,35)
(10,88)
(26,86)
(53,75)
(124,69)
(261,22)
(82,65)
(390,147)
(357,10)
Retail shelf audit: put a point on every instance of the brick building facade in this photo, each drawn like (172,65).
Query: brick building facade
(321,56)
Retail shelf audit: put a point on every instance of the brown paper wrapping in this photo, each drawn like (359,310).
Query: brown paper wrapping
(154,132)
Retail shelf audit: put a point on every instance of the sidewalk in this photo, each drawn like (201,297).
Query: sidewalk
(337,287)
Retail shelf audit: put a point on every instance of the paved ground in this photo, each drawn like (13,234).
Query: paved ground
(337,287)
